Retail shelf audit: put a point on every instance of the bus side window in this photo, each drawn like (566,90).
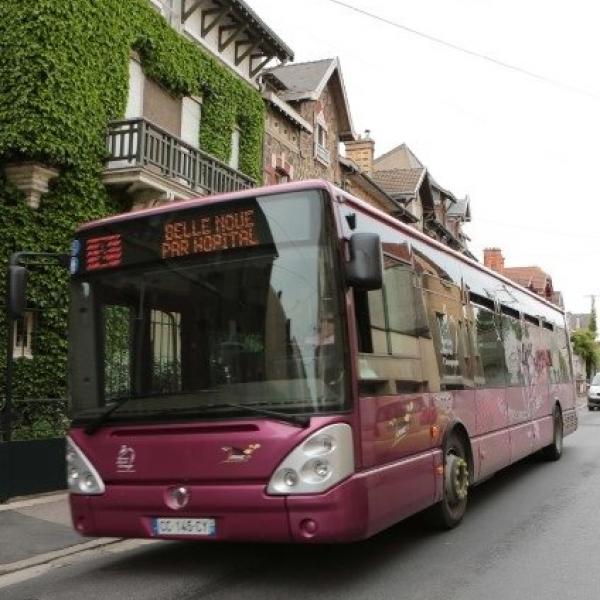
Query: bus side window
(448,353)
(512,336)
(564,374)
(491,348)
(389,323)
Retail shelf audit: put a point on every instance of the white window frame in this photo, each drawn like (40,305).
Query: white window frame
(23,348)
(234,152)
(321,136)
(322,153)
(158,4)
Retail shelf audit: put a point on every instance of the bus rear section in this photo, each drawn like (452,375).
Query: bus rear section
(207,374)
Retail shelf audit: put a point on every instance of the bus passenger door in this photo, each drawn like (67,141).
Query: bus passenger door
(491,449)
(395,411)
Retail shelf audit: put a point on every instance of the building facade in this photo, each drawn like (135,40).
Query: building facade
(430,207)
(158,101)
(307,118)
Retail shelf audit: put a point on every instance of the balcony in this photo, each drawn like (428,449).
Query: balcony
(153,165)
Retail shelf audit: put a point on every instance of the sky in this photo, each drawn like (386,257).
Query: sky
(526,151)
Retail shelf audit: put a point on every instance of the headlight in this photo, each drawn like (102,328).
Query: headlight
(82,478)
(317,464)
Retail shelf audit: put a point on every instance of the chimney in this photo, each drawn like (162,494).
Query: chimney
(493,259)
(362,151)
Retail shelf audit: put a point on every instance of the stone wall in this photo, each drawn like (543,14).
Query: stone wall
(290,150)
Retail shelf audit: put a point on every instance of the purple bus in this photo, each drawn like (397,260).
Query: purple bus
(289,364)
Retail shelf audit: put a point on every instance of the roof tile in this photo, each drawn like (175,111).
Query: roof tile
(399,181)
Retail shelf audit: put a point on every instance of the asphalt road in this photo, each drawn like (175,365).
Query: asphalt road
(533,531)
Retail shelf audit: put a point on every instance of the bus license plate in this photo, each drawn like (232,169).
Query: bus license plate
(204,527)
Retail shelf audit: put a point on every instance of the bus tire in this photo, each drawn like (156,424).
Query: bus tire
(449,512)
(554,450)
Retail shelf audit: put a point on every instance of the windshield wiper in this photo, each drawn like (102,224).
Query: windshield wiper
(96,423)
(299,420)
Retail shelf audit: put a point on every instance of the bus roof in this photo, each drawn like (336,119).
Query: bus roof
(296,186)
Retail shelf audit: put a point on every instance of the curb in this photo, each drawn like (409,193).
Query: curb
(34,501)
(48,557)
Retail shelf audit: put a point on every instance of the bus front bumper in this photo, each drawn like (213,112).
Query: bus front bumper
(240,513)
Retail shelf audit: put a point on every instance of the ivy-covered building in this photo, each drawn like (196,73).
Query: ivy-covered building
(108,106)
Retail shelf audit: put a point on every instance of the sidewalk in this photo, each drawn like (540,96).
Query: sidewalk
(37,530)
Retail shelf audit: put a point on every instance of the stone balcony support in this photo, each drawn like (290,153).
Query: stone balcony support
(32,179)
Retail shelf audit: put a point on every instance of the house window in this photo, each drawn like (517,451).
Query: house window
(23,336)
(234,157)
(281,176)
(321,136)
(190,121)
(322,154)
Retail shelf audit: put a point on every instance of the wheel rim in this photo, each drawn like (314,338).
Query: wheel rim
(456,479)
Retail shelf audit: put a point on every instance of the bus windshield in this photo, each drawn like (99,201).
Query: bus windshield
(191,332)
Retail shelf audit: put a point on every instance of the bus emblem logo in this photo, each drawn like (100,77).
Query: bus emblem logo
(125,459)
(237,455)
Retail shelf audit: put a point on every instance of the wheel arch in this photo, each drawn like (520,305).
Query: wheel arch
(458,428)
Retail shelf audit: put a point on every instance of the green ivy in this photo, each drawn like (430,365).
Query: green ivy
(64,66)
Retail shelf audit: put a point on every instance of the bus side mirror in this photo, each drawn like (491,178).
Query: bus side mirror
(364,270)
(17,286)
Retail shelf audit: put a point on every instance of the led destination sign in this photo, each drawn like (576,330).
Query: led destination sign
(197,235)
(179,234)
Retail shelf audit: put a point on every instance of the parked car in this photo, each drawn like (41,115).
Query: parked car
(593,394)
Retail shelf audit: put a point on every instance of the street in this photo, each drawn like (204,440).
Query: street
(530,532)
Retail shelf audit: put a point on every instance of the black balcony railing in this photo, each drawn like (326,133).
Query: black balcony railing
(139,143)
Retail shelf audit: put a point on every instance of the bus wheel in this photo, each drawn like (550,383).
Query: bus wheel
(555,449)
(450,511)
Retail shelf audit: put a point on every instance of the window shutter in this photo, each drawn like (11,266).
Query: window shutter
(190,121)
(135,100)
(234,157)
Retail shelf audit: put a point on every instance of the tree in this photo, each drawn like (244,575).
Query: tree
(593,326)
(585,346)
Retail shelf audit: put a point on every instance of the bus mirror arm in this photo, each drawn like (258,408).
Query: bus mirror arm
(364,270)
(17,286)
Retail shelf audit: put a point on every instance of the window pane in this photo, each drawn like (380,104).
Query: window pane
(117,351)
(512,335)
(490,348)
(165,339)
